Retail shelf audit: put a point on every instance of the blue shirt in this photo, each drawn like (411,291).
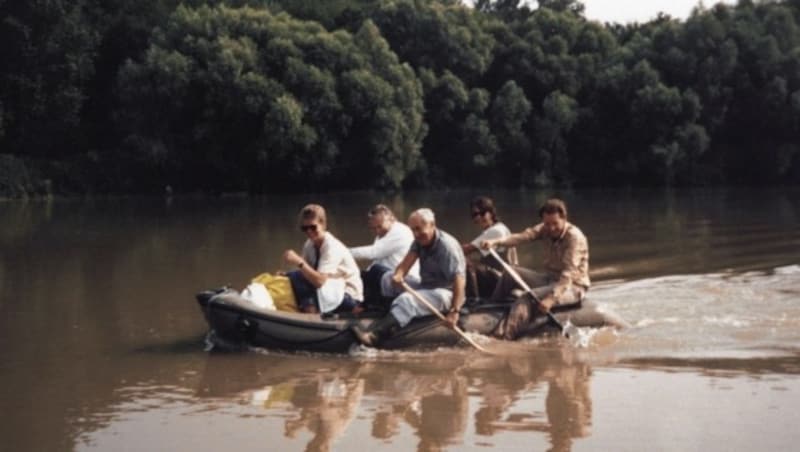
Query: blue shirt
(441,262)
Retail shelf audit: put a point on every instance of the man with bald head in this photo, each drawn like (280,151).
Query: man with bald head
(442,278)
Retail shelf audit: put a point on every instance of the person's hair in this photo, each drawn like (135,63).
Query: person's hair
(381,209)
(553,205)
(484,204)
(312,212)
(426,215)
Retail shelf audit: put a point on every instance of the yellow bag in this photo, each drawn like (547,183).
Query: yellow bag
(281,394)
(281,290)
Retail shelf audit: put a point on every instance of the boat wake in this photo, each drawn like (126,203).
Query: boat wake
(708,312)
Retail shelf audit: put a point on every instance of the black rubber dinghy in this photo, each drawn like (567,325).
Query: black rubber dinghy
(237,321)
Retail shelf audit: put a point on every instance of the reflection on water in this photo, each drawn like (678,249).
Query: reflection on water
(459,401)
(549,399)
(101,343)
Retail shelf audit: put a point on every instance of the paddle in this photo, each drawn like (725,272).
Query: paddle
(518,279)
(427,304)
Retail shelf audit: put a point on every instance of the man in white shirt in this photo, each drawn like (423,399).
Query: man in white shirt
(482,276)
(392,241)
(442,270)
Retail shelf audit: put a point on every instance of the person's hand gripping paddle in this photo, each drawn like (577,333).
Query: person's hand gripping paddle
(518,279)
(433,309)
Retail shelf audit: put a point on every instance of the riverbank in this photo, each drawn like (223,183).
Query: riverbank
(27,179)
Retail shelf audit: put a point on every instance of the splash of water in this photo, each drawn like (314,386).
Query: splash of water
(578,337)
(362,351)
(708,313)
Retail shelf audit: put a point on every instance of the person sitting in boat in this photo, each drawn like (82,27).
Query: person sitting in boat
(327,277)
(565,279)
(483,275)
(442,277)
(392,240)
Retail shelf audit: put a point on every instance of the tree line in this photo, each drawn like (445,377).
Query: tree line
(299,95)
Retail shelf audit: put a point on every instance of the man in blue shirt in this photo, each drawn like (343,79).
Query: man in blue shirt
(442,278)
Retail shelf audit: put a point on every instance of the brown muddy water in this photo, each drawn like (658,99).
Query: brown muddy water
(102,345)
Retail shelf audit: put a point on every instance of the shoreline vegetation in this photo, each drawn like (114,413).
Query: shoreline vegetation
(285,96)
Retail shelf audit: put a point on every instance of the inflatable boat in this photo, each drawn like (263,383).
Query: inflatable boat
(235,321)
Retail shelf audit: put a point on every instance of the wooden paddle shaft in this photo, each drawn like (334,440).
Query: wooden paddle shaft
(510,270)
(433,309)
(518,279)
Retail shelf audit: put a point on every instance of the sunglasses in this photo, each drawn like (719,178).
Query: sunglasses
(477,213)
(308,227)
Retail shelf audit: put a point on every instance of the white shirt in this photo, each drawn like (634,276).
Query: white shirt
(495,231)
(335,262)
(390,249)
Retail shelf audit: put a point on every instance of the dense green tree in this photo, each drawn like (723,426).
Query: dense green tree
(460,146)
(301,95)
(435,35)
(448,48)
(47,53)
(559,114)
(124,29)
(507,10)
(509,115)
(387,136)
(266,101)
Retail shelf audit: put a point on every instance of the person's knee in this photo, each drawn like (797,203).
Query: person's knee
(542,292)
(403,300)
(402,312)
(375,274)
(387,290)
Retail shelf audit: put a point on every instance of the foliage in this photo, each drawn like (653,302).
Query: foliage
(264,101)
(295,95)
(47,53)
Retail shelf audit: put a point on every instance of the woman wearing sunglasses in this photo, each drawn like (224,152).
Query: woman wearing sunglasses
(327,277)
(483,275)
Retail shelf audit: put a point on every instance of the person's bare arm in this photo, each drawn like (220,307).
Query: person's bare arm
(403,267)
(316,278)
(458,300)
(527,235)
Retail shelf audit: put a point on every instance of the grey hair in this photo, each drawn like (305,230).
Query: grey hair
(426,215)
(381,209)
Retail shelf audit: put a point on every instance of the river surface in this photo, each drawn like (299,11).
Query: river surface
(102,345)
